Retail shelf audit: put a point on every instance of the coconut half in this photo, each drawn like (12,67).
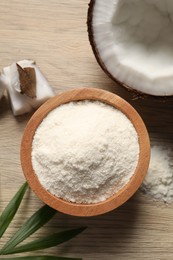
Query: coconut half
(133,42)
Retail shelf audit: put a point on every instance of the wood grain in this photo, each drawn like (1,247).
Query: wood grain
(54,34)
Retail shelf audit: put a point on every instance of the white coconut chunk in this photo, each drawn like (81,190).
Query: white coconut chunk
(134,40)
(14,77)
(21,103)
(3,85)
(43,89)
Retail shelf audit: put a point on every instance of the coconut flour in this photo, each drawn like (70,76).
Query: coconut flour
(85,151)
(159,180)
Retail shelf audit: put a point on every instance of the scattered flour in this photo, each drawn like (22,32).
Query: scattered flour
(85,151)
(159,179)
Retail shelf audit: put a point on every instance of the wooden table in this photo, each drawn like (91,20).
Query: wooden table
(54,33)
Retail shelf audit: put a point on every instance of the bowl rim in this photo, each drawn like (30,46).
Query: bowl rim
(125,192)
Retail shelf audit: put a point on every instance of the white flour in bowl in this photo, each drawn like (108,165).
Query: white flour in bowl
(85,151)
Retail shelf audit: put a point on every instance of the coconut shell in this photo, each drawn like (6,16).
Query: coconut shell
(27,79)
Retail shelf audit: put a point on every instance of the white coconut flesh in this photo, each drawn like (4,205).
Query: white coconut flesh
(134,40)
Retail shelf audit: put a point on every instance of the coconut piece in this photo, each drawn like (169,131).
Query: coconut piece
(13,77)
(3,85)
(22,95)
(43,89)
(132,41)
(19,102)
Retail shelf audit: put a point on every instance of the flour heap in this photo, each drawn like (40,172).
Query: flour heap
(158,182)
(85,151)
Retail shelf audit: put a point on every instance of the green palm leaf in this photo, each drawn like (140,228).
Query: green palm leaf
(36,221)
(46,257)
(46,242)
(11,209)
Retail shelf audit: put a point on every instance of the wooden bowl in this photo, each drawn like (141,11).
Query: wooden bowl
(117,199)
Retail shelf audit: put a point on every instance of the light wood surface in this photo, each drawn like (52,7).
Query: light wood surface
(117,199)
(54,34)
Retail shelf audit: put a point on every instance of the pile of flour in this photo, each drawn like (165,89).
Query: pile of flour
(85,151)
(159,179)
